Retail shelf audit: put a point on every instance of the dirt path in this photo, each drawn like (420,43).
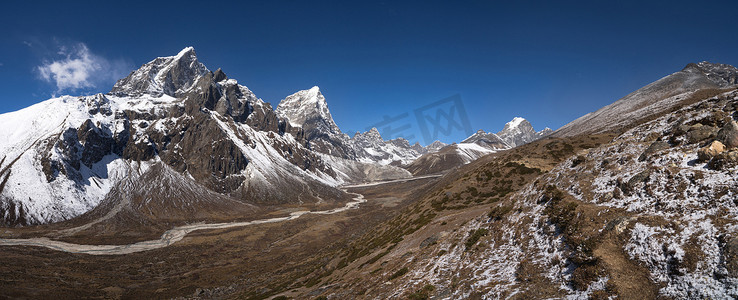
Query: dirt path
(169,237)
(632,281)
(177,233)
(391,181)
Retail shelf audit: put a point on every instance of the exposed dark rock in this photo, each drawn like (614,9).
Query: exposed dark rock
(98,104)
(5,177)
(71,150)
(578,160)
(681,129)
(197,145)
(172,76)
(653,148)
(219,76)
(302,158)
(731,256)
(728,135)
(724,160)
(141,151)
(205,94)
(122,137)
(264,119)
(722,74)
(96,144)
(13,213)
(698,133)
(709,151)
(233,103)
(429,241)
(629,187)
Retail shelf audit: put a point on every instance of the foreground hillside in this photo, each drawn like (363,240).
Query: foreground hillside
(634,201)
(644,214)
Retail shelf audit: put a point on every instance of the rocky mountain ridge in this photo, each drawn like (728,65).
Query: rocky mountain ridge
(516,133)
(64,156)
(646,210)
(693,83)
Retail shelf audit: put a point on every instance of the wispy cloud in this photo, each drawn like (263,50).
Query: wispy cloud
(76,68)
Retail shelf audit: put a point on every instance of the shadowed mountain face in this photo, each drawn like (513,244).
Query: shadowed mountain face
(64,155)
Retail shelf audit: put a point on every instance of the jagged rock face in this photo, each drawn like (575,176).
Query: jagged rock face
(165,75)
(435,146)
(201,124)
(310,119)
(544,133)
(490,140)
(199,147)
(308,107)
(302,158)
(370,147)
(96,143)
(98,104)
(368,139)
(519,132)
(215,92)
(13,213)
(308,110)
(722,74)
(516,133)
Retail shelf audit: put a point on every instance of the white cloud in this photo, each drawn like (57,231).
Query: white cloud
(78,68)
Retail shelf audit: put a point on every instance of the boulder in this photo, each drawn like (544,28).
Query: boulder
(699,132)
(679,128)
(630,187)
(724,160)
(728,135)
(653,148)
(708,152)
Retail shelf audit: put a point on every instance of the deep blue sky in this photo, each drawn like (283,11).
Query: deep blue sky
(548,62)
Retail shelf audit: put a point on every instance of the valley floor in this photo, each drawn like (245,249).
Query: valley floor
(253,259)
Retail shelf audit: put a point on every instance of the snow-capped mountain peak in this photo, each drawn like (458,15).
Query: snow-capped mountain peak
(171,75)
(304,106)
(435,146)
(519,131)
(517,122)
(374,134)
(721,74)
(487,139)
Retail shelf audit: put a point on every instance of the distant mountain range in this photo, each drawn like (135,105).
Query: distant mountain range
(637,200)
(65,156)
